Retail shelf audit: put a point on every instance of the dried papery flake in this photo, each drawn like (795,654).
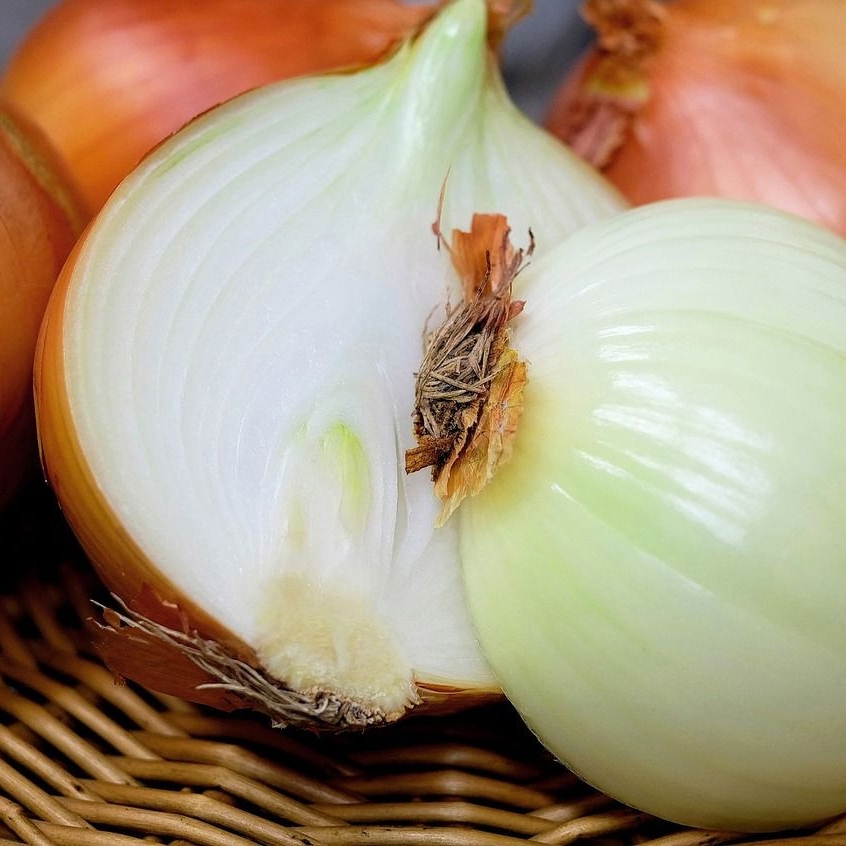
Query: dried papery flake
(630,29)
(502,15)
(469,389)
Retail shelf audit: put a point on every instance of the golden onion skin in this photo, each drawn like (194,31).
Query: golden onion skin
(40,219)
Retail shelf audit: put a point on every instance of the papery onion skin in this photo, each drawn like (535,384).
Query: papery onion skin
(106,80)
(738,98)
(658,576)
(40,219)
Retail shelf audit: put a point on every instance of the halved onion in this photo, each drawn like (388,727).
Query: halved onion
(225,381)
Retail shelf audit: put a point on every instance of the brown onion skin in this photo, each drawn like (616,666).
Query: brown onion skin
(745,99)
(40,219)
(121,563)
(106,80)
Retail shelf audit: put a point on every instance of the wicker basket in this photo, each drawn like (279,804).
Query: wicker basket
(85,761)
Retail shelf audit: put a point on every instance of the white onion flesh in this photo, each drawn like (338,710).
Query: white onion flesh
(240,335)
(658,576)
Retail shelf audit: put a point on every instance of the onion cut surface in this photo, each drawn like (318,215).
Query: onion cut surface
(658,576)
(225,381)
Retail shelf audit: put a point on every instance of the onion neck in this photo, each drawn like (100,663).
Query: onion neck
(611,86)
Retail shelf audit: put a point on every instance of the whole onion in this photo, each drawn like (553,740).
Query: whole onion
(734,98)
(40,219)
(658,575)
(106,80)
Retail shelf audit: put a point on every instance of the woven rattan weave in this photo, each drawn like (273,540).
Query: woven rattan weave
(85,761)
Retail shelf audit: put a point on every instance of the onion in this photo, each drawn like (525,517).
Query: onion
(39,222)
(658,575)
(224,382)
(733,98)
(106,80)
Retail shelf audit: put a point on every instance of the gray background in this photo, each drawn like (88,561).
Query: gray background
(536,55)
(16,17)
